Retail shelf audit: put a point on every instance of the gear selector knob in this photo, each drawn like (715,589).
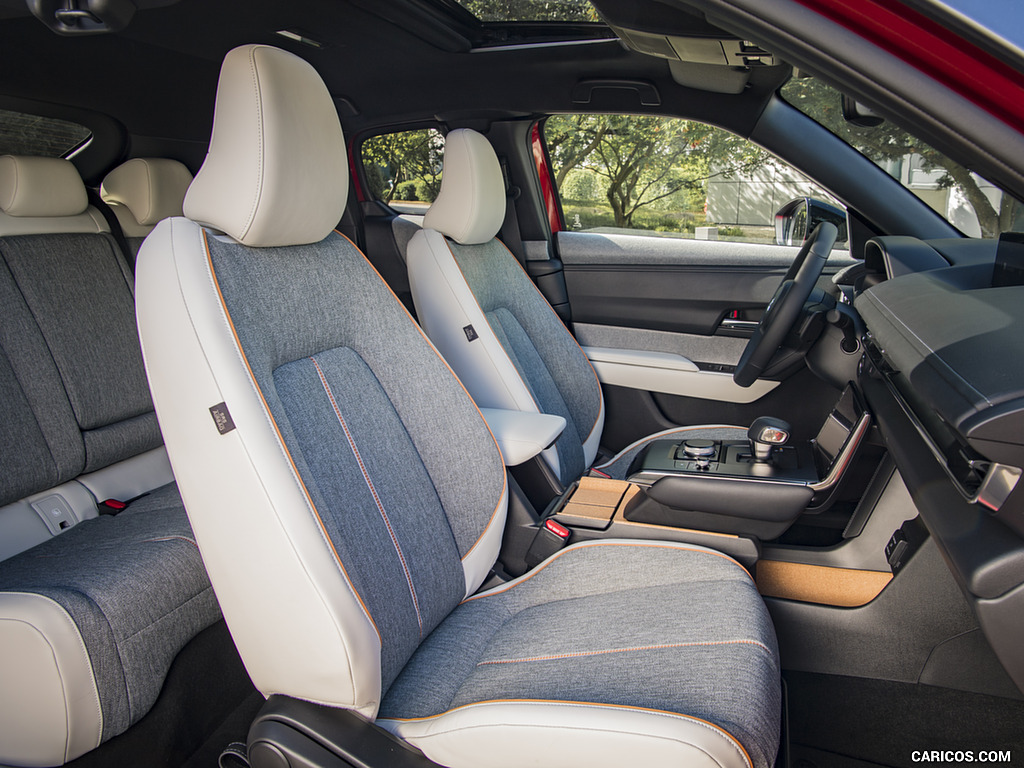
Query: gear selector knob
(765,433)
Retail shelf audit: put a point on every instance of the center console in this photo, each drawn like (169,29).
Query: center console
(755,487)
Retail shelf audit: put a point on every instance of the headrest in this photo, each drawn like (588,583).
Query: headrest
(276,172)
(40,187)
(144,191)
(470,207)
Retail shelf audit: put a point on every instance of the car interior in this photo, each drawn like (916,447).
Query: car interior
(662,414)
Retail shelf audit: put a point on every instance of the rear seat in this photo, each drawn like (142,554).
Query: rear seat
(142,192)
(90,619)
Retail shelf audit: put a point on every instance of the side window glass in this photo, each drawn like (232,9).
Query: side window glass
(403,169)
(24,134)
(669,177)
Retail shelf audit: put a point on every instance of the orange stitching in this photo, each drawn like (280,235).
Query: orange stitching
(582,654)
(504,475)
(280,438)
(548,305)
(638,543)
(373,491)
(172,538)
(732,739)
(526,384)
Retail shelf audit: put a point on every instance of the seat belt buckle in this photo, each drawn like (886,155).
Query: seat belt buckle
(550,538)
(111,506)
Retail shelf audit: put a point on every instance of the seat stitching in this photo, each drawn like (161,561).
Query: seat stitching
(571,729)
(732,740)
(171,538)
(271,421)
(373,491)
(504,475)
(547,303)
(583,654)
(557,555)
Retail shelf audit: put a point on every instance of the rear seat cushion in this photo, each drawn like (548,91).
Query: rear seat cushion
(135,588)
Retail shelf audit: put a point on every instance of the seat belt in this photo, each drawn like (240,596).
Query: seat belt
(510,234)
(115,227)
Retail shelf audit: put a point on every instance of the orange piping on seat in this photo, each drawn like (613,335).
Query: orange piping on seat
(284,447)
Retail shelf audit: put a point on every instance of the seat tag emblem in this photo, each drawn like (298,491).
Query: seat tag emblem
(471,334)
(222,418)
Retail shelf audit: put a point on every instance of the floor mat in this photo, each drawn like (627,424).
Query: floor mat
(832,718)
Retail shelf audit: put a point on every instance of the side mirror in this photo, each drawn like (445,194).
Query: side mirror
(797,219)
(859,114)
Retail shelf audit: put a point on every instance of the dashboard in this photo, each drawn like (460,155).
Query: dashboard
(943,374)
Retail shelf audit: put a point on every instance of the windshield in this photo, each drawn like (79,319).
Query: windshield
(967,201)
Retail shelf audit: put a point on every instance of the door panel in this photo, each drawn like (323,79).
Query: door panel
(650,311)
(672,284)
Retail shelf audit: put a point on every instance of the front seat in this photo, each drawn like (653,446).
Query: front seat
(349,500)
(493,326)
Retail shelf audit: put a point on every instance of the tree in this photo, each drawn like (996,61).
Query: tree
(531,10)
(645,160)
(392,159)
(889,144)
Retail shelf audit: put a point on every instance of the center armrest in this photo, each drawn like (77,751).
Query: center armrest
(521,435)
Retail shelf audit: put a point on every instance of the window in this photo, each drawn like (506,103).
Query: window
(668,177)
(531,10)
(966,200)
(403,169)
(23,134)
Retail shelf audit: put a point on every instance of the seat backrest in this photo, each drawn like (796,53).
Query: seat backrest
(344,490)
(142,192)
(486,316)
(76,397)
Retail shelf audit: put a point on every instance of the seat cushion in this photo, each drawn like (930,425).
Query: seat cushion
(617,467)
(606,648)
(124,594)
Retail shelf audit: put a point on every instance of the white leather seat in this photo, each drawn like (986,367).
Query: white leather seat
(349,499)
(495,328)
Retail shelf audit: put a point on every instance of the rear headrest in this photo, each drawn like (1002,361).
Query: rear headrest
(276,172)
(40,187)
(470,207)
(144,191)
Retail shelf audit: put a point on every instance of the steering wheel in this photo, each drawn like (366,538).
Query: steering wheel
(784,309)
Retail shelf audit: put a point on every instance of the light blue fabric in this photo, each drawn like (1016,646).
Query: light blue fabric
(543,388)
(380,506)
(427,451)
(547,357)
(664,627)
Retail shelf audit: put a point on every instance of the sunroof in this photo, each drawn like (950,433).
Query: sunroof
(531,10)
